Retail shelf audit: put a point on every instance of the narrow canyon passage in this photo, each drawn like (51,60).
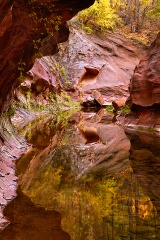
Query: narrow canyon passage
(79,120)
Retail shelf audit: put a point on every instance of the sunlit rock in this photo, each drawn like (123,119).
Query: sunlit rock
(103,62)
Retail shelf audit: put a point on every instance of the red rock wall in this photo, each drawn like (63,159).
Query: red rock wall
(145,83)
(20,25)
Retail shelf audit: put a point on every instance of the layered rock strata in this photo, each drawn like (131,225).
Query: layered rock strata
(11,147)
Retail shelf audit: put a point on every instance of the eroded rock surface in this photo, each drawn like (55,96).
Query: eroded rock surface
(102,62)
(145,83)
(91,68)
(11,147)
(28,27)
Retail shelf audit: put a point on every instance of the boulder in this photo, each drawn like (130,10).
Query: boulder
(94,100)
(118,103)
(98,97)
(90,102)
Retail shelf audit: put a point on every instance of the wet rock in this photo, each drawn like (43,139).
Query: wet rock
(141,120)
(145,84)
(13,148)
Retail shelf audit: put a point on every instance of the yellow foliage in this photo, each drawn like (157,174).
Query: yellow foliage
(100,14)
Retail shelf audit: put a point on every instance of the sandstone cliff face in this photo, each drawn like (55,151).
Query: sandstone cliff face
(25,28)
(145,83)
(102,62)
(93,69)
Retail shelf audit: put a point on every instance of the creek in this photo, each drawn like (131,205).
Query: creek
(88,176)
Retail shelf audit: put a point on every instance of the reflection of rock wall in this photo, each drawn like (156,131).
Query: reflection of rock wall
(145,159)
(31,222)
(143,120)
(112,194)
(81,148)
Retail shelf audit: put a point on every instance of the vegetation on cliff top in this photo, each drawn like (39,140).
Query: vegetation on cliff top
(141,17)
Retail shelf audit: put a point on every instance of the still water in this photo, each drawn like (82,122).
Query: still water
(86,178)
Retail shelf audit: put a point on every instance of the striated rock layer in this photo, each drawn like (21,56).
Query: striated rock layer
(145,83)
(11,147)
(27,27)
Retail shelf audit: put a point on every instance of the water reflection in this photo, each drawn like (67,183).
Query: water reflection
(104,183)
(31,222)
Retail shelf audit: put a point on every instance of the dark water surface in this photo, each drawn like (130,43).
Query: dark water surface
(88,177)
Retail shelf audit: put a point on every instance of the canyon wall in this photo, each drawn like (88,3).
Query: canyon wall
(145,83)
(28,27)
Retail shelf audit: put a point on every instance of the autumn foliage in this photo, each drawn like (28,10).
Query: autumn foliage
(107,14)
